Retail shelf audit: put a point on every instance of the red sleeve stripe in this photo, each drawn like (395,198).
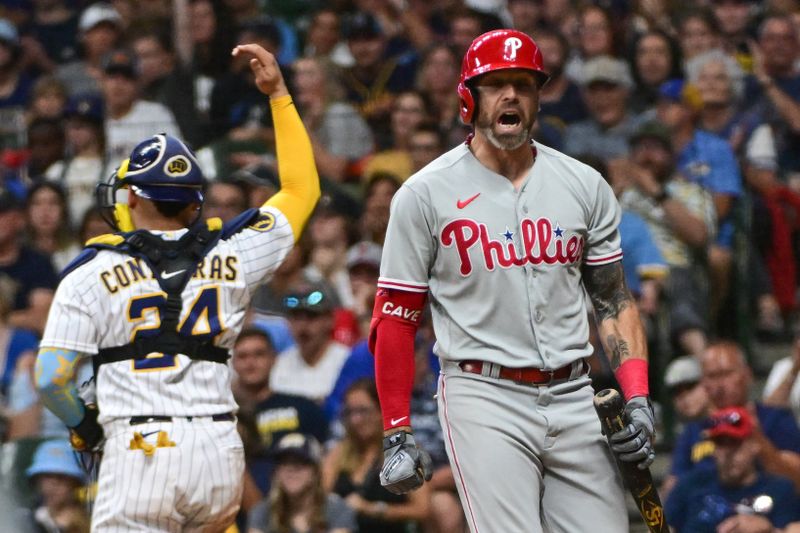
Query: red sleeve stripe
(410,286)
(604,259)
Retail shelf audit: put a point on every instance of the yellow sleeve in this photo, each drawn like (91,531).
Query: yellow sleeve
(296,168)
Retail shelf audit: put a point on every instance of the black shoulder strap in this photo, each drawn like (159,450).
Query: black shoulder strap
(173,264)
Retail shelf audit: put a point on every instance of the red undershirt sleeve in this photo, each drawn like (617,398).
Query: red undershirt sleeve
(395,319)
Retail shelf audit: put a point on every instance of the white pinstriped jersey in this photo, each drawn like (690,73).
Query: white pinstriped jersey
(503,266)
(112,298)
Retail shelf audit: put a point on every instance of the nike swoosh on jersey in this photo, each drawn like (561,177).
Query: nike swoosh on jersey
(395,421)
(165,275)
(461,204)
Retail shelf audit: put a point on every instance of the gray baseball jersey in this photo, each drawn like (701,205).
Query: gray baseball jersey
(504,282)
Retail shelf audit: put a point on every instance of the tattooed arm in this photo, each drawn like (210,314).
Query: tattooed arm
(618,322)
(623,338)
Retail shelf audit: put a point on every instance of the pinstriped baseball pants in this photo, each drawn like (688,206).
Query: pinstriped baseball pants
(194,486)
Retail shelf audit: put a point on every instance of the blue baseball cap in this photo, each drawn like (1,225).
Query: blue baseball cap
(56,457)
(87,106)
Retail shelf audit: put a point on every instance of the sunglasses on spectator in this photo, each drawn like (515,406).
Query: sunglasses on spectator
(312,301)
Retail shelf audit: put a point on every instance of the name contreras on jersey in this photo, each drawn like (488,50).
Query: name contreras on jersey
(541,244)
(134,270)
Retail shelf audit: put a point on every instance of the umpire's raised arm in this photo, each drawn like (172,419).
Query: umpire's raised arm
(296,168)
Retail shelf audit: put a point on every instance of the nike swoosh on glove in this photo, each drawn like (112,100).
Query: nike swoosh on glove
(634,442)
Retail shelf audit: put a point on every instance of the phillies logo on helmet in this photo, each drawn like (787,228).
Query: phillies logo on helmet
(541,244)
(177,166)
(510,48)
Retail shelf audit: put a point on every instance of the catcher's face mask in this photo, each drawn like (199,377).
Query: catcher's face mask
(112,200)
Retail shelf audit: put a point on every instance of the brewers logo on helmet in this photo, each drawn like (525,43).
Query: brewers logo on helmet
(162,169)
(497,50)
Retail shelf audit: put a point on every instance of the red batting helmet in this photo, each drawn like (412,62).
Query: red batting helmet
(497,50)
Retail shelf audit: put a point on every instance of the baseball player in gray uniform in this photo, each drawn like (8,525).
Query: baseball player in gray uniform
(505,234)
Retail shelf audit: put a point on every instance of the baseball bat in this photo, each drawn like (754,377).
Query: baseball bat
(610,408)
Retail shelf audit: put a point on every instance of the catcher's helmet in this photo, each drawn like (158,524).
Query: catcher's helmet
(497,50)
(161,168)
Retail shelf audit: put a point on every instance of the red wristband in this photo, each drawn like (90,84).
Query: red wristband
(632,378)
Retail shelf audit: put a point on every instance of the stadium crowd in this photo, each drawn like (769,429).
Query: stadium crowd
(691,110)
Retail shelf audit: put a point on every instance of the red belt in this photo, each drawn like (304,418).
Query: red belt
(535,376)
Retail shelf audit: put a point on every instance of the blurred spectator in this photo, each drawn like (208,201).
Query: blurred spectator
(734,18)
(57,476)
(644,267)
(164,80)
(437,78)
(376,76)
(48,99)
(324,38)
(560,98)
(719,81)
(526,16)
(350,469)
(655,60)
(606,86)
(698,32)
(46,140)
(774,90)
(682,379)
(319,95)
(782,388)
(298,501)
(51,36)
(16,356)
(49,230)
(85,163)
(128,117)
(245,12)
(331,234)
(240,117)
(680,216)
(224,199)
(425,144)
(99,32)
(15,86)
(271,415)
(464,25)
(378,194)
(275,414)
(267,302)
(708,161)
(31,271)
(259,181)
(728,381)
(738,495)
(596,38)
(309,368)
(92,225)
(408,112)
(363,267)
(653,15)
(212,37)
